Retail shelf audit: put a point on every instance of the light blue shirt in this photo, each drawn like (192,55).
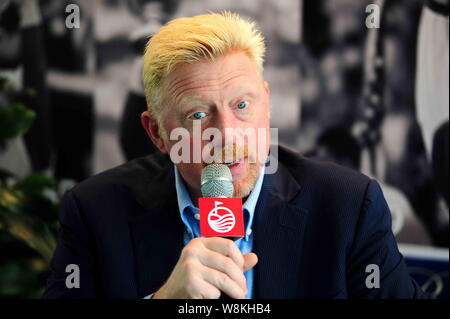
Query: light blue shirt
(190,215)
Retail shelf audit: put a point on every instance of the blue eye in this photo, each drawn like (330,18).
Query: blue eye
(198,115)
(242,105)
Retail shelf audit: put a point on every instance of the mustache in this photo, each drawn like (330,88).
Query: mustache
(228,154)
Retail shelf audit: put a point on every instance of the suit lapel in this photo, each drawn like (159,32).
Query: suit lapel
(278,230)
(157,234)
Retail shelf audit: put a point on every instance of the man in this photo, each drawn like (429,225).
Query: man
(312,230)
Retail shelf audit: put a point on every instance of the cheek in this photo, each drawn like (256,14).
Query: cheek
(170,124)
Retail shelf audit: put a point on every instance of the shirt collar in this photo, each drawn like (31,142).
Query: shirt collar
(186,206)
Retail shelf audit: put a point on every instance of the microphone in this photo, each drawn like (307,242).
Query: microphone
(216,181)
(220,214)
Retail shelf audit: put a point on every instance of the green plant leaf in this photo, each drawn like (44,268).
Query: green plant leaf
(15,120)
(35,184)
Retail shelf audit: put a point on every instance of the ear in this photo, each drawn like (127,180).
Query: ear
(152,128)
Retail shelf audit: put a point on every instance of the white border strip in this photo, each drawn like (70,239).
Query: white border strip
(425,252)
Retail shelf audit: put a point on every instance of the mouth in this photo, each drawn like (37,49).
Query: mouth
(235,163)
(231,164)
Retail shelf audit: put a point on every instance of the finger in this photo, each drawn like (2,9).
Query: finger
(250,260)
(212,259)
(198,288)
(225,247)
(221,281)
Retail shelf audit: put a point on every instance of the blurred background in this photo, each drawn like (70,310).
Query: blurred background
(360,85)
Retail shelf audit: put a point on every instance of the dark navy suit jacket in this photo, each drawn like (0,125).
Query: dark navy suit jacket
(317,226)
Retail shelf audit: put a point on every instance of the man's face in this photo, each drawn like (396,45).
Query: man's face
(228,93)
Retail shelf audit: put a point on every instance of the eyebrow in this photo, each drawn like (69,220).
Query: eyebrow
(246,90)
(192,100)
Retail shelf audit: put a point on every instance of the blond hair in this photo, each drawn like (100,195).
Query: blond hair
(195,39)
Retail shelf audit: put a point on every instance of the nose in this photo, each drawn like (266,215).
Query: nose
(226,122)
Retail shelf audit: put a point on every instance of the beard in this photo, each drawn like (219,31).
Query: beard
(244,186)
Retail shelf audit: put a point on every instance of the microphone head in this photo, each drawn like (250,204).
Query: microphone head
(216,181)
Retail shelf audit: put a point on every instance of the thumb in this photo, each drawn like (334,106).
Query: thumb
(250,260)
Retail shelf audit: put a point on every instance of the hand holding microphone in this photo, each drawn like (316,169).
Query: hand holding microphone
(211,265)
(206,267)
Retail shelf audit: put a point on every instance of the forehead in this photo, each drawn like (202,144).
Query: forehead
(230,70)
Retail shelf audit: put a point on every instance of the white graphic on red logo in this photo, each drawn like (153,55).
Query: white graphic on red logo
(223,222)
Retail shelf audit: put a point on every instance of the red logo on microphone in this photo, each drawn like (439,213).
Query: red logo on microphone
(221,217)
